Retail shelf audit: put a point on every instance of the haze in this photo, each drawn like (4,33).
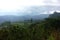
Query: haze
(16,6)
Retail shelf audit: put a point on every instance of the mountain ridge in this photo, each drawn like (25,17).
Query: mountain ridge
(22,18)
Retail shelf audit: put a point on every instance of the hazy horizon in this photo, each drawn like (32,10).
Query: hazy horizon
(22,7)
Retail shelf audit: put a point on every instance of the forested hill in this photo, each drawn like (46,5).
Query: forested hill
(55,15)
(48,29)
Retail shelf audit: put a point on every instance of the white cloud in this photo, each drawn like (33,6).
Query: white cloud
(18,5)
(52,2)
(21,5)
(10,5)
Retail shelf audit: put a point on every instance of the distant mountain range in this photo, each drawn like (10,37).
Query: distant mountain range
(35,13)
(22,18)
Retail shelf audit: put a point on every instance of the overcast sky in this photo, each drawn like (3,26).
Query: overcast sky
(20,5)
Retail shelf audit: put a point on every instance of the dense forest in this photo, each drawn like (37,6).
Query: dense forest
(47,29)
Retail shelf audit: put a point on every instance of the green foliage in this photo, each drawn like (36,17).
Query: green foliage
(51,38)
(30,31)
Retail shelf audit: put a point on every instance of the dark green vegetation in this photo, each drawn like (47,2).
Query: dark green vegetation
(48,29)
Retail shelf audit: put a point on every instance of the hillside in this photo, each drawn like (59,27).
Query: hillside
(55,15)
(48,29)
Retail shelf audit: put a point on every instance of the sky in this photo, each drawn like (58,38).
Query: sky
(15,6)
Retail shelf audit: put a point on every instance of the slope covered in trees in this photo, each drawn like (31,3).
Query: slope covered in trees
(48,29)
(55,15)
